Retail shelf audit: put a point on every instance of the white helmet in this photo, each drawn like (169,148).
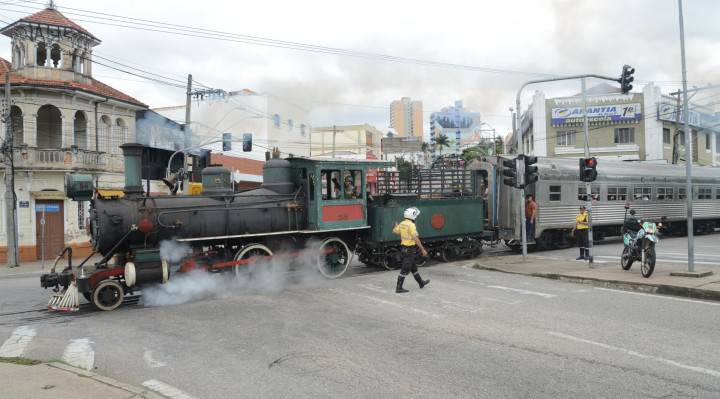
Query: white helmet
(411,213)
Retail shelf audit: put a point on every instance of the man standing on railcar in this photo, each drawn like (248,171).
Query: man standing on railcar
(581,225)
(408,239)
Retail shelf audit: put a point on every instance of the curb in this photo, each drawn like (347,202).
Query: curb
(137,392)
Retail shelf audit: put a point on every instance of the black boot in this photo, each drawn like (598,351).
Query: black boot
(582,254)
(420,281)
(399,289)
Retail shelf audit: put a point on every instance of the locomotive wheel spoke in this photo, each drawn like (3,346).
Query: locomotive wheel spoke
(335,262)
(253,253)
(107,295)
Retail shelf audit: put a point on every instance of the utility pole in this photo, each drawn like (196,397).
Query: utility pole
(588,185)
(10,203)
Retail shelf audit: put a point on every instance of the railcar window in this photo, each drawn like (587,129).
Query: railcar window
(705,193)
(664,193)
(641,193)
(624,135)
(566,138)
(555,193)
(681,193)
(594,192)
(717,193)
(616,193)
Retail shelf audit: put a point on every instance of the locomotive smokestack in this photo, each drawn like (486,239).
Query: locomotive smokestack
(133,172)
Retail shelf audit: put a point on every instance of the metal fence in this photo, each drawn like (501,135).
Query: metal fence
(429,183)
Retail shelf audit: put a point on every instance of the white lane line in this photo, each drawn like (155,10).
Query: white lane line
(166,389)
(519,291)
(15,345)
(79,353)
(670,298)
(701,370)
(389,303)
(151,361)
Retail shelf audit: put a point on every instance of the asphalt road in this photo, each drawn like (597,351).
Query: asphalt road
(470,333)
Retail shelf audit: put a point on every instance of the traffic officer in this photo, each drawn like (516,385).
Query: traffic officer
(408,239)
(581,225)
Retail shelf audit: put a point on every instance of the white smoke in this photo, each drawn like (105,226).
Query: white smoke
(261,276)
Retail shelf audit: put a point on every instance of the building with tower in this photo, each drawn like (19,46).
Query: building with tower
(62,121)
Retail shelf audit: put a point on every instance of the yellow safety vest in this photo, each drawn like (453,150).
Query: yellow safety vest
(407,231)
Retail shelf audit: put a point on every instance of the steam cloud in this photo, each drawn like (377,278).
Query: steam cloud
(262,276)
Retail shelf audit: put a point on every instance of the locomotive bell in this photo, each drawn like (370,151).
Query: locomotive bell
(170,181)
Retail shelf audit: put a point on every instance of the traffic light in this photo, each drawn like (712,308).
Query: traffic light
(510,172)
(227,141)
(530,170)
(247,142)
(626,78)
(588,171)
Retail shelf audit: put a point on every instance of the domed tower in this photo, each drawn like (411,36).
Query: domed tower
(49,46)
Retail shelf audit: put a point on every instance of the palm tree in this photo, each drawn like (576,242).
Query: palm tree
(441,141)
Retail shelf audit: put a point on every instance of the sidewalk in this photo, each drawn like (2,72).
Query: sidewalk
(702,283)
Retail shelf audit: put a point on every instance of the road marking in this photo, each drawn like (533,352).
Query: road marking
(79,352)
(519,291)
(150,360)
(701,370)
(15,345)
(166,389)
(671,298)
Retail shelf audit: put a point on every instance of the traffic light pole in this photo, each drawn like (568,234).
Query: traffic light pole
(588,185)
(518,132)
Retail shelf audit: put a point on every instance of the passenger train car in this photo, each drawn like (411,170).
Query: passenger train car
(653,190)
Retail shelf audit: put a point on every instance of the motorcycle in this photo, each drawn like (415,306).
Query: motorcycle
(639,238)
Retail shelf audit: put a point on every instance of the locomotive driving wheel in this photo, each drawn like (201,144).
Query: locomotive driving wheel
(252,253)
(419,259)
(334,258)
(107,295)
(391,258)
(447,252)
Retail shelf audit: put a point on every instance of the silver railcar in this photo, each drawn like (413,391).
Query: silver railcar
(653,190)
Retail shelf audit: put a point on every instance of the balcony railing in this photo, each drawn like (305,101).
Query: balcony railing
(73,158)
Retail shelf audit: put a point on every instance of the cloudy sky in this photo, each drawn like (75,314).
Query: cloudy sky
(347,60)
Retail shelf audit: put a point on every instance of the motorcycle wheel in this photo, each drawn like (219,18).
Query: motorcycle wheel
(649,265)
(626,259)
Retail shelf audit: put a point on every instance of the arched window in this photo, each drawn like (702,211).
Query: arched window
(17,125)
(80,136)
(49,127)
(104,134)
(276,121)
(117,136)
(41,54)
(56,56)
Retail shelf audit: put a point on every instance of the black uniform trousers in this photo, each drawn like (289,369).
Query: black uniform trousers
(408,260)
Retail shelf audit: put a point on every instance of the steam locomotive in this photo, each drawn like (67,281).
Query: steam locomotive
(299,210)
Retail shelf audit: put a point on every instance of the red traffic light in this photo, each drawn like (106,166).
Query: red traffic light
(590,162)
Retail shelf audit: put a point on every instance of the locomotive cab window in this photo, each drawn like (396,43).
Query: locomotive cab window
(331,186)
(616,193)
(352,184)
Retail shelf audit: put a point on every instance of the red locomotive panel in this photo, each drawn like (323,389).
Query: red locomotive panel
(340,213)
